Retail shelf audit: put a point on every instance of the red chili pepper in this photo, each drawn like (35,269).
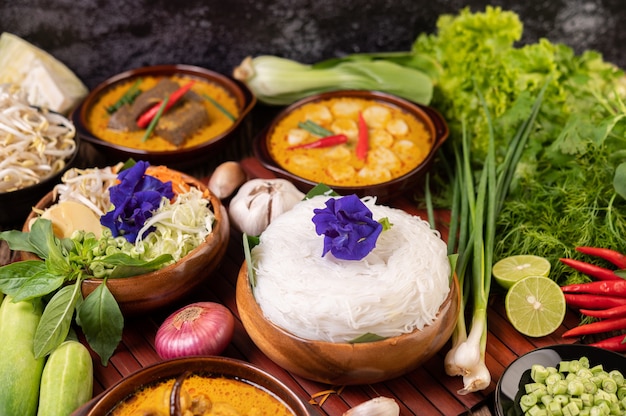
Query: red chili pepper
(612,256)
(607,325)
(599,287)
(362,144)
(615,343)
(587,301)
(614,312)
(323,142)
(144,120)
(591,269)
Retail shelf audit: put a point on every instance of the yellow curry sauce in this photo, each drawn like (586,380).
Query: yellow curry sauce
(98,117)
(398,142)
(207,396)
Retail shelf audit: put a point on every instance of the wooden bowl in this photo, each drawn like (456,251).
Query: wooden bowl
(215,366)
(345,363)
(146,292)
(433,122)
(183,157)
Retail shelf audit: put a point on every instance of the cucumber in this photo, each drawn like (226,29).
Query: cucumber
(20,371)
(67,381)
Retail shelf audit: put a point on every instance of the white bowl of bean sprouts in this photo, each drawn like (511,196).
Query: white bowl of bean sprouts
(36,147)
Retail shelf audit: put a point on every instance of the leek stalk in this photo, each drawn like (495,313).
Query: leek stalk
(280,81)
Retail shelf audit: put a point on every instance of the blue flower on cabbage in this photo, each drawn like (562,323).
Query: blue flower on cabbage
(350,232)
(135,199)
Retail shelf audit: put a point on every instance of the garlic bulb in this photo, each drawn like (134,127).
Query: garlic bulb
(378,406)
(259,201)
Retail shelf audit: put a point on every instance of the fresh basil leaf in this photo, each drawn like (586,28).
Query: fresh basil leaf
(57,260)
(17,240)
(102,322)
(14,275)
(367,337)
(248,244)
(57,317)
(39,237)
(123,259)
(126,266)
(38,285)
(320,189)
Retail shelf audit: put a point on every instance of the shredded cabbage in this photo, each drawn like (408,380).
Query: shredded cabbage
(180,226)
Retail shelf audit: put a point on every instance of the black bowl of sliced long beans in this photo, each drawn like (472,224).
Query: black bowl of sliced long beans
(564,375)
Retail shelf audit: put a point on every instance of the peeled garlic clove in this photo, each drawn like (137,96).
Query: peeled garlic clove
(226,178)
(378,406)
(259,201)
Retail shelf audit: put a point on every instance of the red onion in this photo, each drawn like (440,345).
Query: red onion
(201,328)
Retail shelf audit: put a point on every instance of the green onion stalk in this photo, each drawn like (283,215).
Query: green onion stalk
(474,210)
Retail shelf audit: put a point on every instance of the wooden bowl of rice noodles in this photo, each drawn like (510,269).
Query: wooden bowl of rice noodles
(346,322)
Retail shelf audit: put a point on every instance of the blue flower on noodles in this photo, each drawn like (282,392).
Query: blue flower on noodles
(134,200)
(350,232)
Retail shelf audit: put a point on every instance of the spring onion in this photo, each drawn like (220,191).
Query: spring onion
(478,205)
(280,81)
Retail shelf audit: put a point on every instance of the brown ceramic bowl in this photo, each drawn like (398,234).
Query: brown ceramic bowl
(144,293)
(183,157)
(210,366)
(432,120)
(345,363)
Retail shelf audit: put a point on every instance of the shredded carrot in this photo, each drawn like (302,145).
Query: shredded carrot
(164,174)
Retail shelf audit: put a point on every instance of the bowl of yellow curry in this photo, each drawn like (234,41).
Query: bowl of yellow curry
(364,142)
(198,386)
(179,115)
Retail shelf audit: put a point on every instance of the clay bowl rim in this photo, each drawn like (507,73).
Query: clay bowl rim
(244,97)
(211,365)
(433,120)
(213,243)
(244,288)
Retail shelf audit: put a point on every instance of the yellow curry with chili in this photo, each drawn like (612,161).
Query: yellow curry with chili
(218,122)
(397,142)
(204,395)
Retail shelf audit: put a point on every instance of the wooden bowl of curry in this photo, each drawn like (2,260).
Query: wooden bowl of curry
(202,111)
(320,139)
(235,385)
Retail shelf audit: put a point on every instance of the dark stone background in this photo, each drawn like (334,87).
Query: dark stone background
(99,38)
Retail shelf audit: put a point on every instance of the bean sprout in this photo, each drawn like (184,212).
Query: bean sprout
(90,187)
(34,144)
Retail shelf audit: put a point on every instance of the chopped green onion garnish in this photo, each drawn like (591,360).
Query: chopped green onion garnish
(128,97)
(155,120)
(315,128)
(219,107)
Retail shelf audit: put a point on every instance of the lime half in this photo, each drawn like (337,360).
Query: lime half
(511,269)
(535,306)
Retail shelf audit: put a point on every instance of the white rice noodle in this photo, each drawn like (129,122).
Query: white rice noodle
(395,289)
